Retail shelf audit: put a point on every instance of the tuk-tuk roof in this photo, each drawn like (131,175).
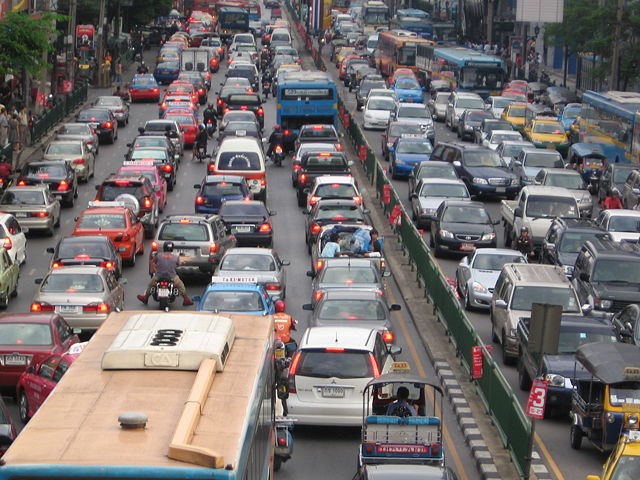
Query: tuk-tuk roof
(585,149)
(402,378)
(610,362)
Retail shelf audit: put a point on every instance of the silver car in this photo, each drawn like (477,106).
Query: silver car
(117,105)
(477,274)
(415,113)
(430,193)
(438,106)
(347,273)
(76,154)
(34,206)
(262,264)
(79,131)
(571,180)
(84,295)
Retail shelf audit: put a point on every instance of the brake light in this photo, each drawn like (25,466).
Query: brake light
(374,366)
(315,228)
(226,109)
(313,200)
(265,228)
(357,199)
(107,125)
(211,167)
(122,182)
(201,90)
(303,178)
(79,161)
(40,214)
(63,186)
(219,102)
(317,127)
(293,368)
(155,90)
(287,132)
(6,243)
(56,265)
(96,307)
(184,220)
(199,200)
(278,149)
(164,105)
(82,256)
(319,264)
(41,307)
(317,296)
(334,349)
(263,182)
(388,336)
(324,154)
(194,97)
(167,168)
(297,167)
(213,248)
(272,286)
(21,183)
(244,107)
(260,111)
(108,265)
(219,49)
(339,147)
(147,202)
(154,246)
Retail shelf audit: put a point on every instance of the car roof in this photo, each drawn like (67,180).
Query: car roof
(245,202)
(353,338)
(238,142)
(250,251)
(561,171)
(188,216)
(224,178)
(622,213)
(352,294)
(348,262)
(325,179)
(27,317)
(85,239)
(442,181)
(93,269)
(547,190)
(421,106)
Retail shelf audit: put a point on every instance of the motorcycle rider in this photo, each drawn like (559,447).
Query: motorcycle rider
(142,68)
(164,265)
(524,244)
(283,323)
(209,113)
(267,80)
(276,138)
(201,141)
(123,94)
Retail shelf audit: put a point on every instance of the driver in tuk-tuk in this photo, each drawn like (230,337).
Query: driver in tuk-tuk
(402,407)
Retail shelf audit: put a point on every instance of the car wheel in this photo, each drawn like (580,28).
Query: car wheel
(506,359)
(14,293)
(494,337)
(132,261)
(576,437)
(467,301)
(23,407)
(524,380)
(277,463)
(392,171)
(4,302)
(112,138)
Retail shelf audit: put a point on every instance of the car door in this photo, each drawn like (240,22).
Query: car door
(136,226)
(65,334)
(41,383)
(18,238)
(116,293)
(415,200)
(550,246)
(464,272)
(10,270)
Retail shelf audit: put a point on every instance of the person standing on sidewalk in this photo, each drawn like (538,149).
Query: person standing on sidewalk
(4,127)
(118,72)
(13,128)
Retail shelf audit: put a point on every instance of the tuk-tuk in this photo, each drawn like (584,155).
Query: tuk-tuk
(399,424)
(605,404)
(590,160)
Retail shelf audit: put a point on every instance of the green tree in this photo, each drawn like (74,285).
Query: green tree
(23,40)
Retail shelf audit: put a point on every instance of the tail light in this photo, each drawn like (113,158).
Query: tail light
(154,246)
(287,132)
(155,90)
(213,248)
(22,183)
(303,178)
(219,49)
(108,265)
(96,307)
(278,149)
(199,200)
(313,200)
(282,442)
(272,286)
(163,106)
(119,111)
(214,62)
(319,264)
(265,228)
(263,182)
(40,214)
(260,111)
(317,296)
(226,109)
(201,91)
(297,167)
(357,199)
(207,75)
(339,147)
(123,238)
(375,369)
(293,368)
(388,337)
(194,97)
(219,102)
(211,168)
(41,307)
(315,228)
(147,202)
(79,161)
(167,168)
(244,107)
(7,243)
(63,186)
(164,283)
(107,124)
(56,265)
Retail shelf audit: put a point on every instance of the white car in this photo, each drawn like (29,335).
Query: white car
(243,38)
(382,92)
(496,137)
(243,156)
(623,225)
(333,187)
(330,370)
(13,237)
(377,111)
(496,105)
(509,150)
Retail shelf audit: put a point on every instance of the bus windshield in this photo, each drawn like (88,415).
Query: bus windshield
(407,56)
(375,17)
(478,77)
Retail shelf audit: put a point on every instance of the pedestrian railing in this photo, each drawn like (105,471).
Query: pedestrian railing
(57,113)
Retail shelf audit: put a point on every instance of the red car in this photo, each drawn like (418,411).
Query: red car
(179,90)
(27,338)
(401,72)
(37,382)
(188,124)
(8,431)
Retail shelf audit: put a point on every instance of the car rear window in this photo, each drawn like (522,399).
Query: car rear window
(188,232)
(242,99)
(232,301)
(222,189)
(65,149)
(336,363)
(348,275)
(352,310)
(102,220)
(152,154)
(45,171)
(158,127)
(92,116)
(249,263)
(238,161)
(23,198)
(111,190)
(72,249)
(318,131)
(25,334)
(72,283)
(325,161)
(335,190)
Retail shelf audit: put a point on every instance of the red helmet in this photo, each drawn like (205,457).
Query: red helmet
(276,128)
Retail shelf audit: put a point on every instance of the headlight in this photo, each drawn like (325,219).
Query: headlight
(468,128)
(513,332)
(586,198)
(604,304)
(610,417)
(632,420)
(488,236)
(480,181)
(479,288)
(428,211)
(554,379)
(446,234)
(528,179)
(514,181)
(400,162)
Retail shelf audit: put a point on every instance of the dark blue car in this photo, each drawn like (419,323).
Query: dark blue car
(216,189)
(407,153)
(166,72)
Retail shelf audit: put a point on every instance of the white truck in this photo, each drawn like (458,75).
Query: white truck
(194,60)
(535,207)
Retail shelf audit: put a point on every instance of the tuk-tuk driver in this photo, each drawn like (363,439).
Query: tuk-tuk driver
(401,407)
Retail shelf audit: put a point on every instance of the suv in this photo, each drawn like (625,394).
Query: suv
(565,238)
(631,190)
(518,287)
(330,370)
(246,101)
(199,240)
(114,187)
(606,274)
(530,161)
(458,103)
(317,164)
(481,169)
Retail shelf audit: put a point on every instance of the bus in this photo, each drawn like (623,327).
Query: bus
(232,20)
(374,14)
(467,70)
(611,118)
(306,97)
(397,49)
(422,26)
(155,395)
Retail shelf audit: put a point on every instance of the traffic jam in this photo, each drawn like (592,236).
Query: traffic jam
(517,198)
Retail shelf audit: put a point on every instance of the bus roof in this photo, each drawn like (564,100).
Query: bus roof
(195,418)
(238,9)
(464,55)
(625,104)
(306,77)
(399,35)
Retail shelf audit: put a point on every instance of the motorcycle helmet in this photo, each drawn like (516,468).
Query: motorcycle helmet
(276,128)
(524,230)
(201,127)
(168,247)
(210,105)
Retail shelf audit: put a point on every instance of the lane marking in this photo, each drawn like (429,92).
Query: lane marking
(547,455)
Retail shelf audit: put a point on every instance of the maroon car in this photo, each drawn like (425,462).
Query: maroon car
(30,337)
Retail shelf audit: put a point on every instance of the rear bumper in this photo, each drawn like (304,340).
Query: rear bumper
(314,413)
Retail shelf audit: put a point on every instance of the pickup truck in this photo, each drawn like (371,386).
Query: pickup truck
(316,164)
(535,207)
(558,370)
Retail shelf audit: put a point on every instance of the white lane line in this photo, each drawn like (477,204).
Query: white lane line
(32,271)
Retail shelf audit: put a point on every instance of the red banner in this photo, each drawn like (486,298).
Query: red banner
(395,218)
(476,362)
(84,36)
(386,194)
(537,399)
(363,153)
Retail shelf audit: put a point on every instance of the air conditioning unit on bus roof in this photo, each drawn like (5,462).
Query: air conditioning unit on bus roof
(170,341)
(405,33)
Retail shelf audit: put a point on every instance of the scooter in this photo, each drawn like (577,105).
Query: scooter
(284,442)
(165,292)
(266,88)
(210,129)
(283,425)
(278,155)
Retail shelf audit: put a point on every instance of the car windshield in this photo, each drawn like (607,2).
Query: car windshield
(500,102)
(622,224)
(72,283)
(334,364)
(25,334)
(413,112)
(248,262)
(512,150)
(517,112)
(572,242)
(64,149)
(102,220)
(399,130)
(470,103)
(188,232)
(444,171)
(243,210)
(381,103)
(624,393)
(572,338)
(26,197)
(444,190)
(501,137)
(551,207)
(352,310)
(616,271)
(111,190)
(407,84)
(543,160)
(627,467)
(548,128)
(222,189)
(570,181)
(348,275)
(482,158)
(44,171)
(74,249)
(339,213)
(335,190)
(496,262)
(232,301)
(525,296)
(571,113)
(465,214)
(414,147)
(238,161)
(620,174)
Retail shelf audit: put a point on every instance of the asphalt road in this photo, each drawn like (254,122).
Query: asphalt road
(320,453)
(552,433)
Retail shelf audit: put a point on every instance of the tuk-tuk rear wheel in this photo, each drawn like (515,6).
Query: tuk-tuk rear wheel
(576,437)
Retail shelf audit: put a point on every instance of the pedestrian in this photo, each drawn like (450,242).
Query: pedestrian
(13,128)
(4,127)
(118,72)
(23,127)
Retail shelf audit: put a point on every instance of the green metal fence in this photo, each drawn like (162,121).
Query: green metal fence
(69,102)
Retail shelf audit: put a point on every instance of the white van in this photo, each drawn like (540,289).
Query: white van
(242,156)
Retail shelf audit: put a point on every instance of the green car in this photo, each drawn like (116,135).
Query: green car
(9,273)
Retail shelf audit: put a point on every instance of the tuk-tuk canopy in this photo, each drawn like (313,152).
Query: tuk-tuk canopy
(588,149)
(402,378)
(610,362)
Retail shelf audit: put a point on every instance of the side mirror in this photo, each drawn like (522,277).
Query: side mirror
(584,276)
(118,238)
(38,281)
(586,308)
(395,350)
(517,163)
(285,263)
(31,369)
(97,187)
(310,273)
(457,164)
(272,213)
(395,307)
(517,212)
(123,281)
(196,186)
(129,144)
(196,298)
(501,304)
(386,273)
(51,249)
(307,306)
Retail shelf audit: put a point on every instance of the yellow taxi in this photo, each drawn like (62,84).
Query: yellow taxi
(342,52)
(547,133)
(624,461)
(515,114)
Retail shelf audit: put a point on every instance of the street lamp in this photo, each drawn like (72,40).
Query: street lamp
(536,30)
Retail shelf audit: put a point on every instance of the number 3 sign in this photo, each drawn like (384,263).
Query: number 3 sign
(537,399)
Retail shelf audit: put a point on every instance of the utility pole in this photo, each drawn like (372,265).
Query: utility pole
(490,14)
(70,40)
(615,52)
(100,51)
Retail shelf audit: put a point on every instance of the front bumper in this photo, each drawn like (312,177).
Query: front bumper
(376,123)
(480,300)
(460,246)
(510,191)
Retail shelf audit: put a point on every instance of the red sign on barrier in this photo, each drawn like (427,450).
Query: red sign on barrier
(363,153)
(346,120)
(395,218)
(476,362)
(537,399)
(341,111)
(386,194)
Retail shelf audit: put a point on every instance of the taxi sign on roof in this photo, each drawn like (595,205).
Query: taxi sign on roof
(632,372)
(145,162)
(234,279)
(98,203)
(400,367)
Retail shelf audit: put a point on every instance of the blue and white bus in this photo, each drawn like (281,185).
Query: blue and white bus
(467,70)
(154,395)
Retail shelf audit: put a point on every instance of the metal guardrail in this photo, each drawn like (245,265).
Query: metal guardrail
(497,395)
(69,102)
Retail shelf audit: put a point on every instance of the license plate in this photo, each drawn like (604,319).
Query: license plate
(279,353)
(68,309)
(184,252)
(333,392)
(163,292)
(21,215)
(467,246)
(243,228)
(501,189)
(16,360)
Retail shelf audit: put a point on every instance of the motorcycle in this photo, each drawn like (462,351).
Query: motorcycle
(278,155)
(164,292)
(283,425)
(200,154)
(210,128)
(266,87)
(284,442)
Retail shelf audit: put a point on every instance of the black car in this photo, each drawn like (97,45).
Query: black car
(246,101)
(488,125)
(86,250)
(224,95)
(614,176)
(240,129)
(102,121)
(461,227)
(469,123)
(159,156)
(58,175)
(606,275)
(249,221)
(367,83)
(331,211)
(626,324)
(565,238)
(150,140)
(430,169)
